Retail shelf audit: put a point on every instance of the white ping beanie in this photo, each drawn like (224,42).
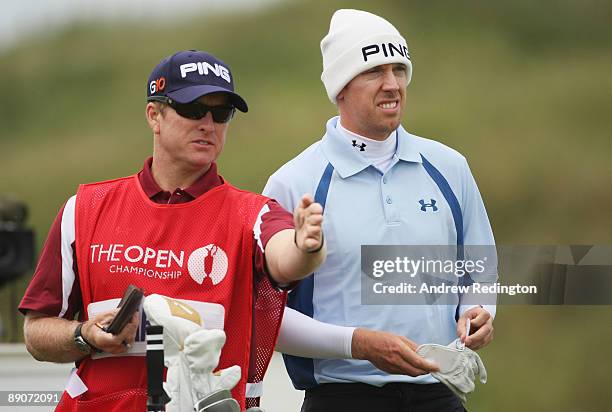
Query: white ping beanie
(356,42)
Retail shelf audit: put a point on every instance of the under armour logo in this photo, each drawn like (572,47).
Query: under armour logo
(424,205)
(361,146)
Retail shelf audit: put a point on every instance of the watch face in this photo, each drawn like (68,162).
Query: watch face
(79,341)
(82,345)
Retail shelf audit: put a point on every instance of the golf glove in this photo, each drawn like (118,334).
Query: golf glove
(458,367)
(201,356)
(191,353)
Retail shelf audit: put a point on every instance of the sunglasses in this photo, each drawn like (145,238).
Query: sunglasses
(196,110)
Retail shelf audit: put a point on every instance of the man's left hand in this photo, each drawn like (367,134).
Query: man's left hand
(308,219)
(481,328)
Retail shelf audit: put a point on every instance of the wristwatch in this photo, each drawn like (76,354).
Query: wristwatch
(79,341)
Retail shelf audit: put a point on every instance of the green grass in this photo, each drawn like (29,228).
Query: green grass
(522,88)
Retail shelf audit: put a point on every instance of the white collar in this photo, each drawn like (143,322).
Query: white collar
(374,150)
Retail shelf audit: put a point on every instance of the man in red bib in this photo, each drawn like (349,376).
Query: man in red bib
(178,229)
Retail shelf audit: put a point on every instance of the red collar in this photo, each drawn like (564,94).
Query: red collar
(203,184)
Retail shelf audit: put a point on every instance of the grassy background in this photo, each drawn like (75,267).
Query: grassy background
(522,88)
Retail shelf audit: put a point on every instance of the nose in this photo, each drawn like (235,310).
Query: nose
(390,80)
(207,124)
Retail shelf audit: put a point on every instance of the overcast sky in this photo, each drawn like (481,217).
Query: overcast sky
(20,19)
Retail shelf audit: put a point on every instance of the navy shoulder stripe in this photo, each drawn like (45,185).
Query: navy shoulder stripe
(301,370)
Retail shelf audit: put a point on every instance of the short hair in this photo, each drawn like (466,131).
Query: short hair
(161,106)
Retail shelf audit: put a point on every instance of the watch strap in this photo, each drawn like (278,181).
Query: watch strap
(82,343)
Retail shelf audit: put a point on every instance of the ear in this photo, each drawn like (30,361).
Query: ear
(340,96)
(341,101)
(153,116)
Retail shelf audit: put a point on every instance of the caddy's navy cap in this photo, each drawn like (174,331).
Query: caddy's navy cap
(187,75)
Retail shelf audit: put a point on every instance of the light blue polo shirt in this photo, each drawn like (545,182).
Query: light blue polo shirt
(363,206)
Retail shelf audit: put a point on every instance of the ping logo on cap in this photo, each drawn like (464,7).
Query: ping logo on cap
(375,49)
(157,85)
(203,69)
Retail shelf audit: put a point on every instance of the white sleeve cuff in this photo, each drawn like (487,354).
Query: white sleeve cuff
(304,336)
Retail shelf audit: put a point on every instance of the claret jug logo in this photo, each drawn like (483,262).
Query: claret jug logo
(208,261)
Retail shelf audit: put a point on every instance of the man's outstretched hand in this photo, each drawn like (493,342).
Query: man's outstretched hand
(308,220)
